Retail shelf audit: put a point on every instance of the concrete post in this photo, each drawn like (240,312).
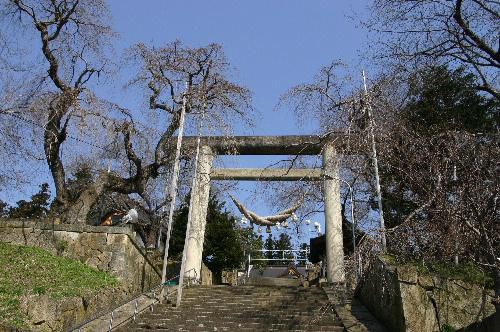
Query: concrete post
(333,216)
(201,195)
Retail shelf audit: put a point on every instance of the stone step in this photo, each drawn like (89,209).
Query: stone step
(191,296)
(244,308)
(249,315)
(303,320)
(249,297)
(230,327)
(275,304)
(234,324)
(248,307)
(245,290)
(244,297)
(254,307)
(319,320)
(258,329)
(253,313)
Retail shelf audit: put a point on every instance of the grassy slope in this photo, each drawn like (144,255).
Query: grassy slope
(29,270)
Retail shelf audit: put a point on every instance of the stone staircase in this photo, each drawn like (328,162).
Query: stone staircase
(242,308)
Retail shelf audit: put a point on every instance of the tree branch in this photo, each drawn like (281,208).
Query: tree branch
(457,15)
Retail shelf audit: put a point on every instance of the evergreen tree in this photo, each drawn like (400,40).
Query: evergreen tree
(303,255)
(178,235)
(252,244)
(347,233)
(37,207)
(222,247)
(283,242)
(442,99)
(269,244)
(226,245)
(439,100)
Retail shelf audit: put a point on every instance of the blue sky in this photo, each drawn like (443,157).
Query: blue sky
(272,44)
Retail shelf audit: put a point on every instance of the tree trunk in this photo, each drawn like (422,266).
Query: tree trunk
(78,211)
(53,138)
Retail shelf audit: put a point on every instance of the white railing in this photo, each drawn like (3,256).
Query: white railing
(284,253)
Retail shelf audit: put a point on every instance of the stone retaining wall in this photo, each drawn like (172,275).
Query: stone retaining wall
(111,249)
(406,300)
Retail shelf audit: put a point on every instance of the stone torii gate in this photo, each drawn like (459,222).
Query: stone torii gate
(269,145)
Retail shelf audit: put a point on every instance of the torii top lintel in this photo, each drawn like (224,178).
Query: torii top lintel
(266,145)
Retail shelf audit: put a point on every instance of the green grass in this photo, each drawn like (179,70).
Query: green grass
(467,272)
(29,270)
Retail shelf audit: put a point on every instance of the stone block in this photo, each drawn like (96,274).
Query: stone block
(206,275)
(407,274)
(118,242)
(48,314)
(426,282)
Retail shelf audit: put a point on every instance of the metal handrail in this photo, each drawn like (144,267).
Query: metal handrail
(111,312)
(133,316)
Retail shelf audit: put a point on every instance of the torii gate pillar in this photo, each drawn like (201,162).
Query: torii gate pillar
(269,145)
(333,216)
(201,195)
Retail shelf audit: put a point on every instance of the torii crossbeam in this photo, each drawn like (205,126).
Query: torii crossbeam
(269,145)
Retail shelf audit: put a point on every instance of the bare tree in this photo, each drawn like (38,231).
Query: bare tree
(439,152)
(465,32)
(336,101)
(442,178)
(174,75)
(450,185)
(73,36)
(67,30)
